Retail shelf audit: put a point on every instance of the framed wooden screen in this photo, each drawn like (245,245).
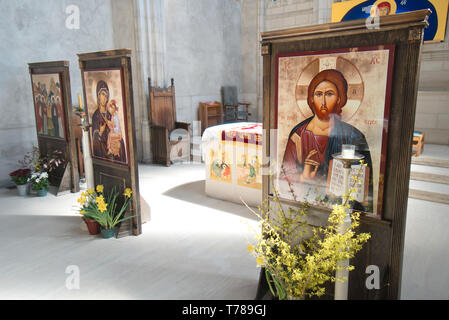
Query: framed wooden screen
(108,97)
(374,72)
(50,83)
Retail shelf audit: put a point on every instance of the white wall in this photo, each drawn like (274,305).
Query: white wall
(267,15)
(251,26)
(432,109)
(203,51)
(432,115)
(209,44)
(283,14)
(35,31)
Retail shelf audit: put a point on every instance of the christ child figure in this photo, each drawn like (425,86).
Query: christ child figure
(115,133)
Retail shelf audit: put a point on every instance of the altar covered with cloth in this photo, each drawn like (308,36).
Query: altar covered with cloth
(232,154)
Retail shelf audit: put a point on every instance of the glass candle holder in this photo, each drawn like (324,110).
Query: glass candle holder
(348,150)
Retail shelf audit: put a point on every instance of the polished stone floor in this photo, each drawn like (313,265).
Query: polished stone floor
(194,247)
(426,252)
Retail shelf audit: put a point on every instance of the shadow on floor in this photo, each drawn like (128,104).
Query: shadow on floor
(193,192)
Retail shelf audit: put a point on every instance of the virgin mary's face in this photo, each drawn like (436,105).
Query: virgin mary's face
(103,97)
(383,11)
(325,99)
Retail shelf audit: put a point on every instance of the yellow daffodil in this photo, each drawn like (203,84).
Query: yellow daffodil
(91,191)
(259,261)
(127,192)
(102,207)
(250,248)
(100,199)
(84,194)
(82,211)
(81,200)
(100,188)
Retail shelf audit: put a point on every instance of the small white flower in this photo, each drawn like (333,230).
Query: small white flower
(44,175)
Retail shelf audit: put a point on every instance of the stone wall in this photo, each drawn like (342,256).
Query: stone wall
(267,15)
(35,31)
(208,44)
(432,109)
(203,41)
(252,24)
(432,115)
(281,14)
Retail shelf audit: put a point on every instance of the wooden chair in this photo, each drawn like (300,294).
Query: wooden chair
(170,139)
(234,111)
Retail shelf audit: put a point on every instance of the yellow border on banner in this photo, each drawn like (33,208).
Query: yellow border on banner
(441,6)
(340,9)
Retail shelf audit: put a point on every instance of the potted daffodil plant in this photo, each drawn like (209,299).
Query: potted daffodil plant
(104,208)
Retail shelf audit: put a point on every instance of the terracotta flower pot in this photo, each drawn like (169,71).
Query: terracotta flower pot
(92,225)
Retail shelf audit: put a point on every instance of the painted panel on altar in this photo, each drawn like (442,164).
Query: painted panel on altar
(249,164)
(249,169)
(324,100)
(220,164)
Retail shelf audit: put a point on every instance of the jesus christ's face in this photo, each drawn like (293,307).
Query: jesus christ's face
(325,99)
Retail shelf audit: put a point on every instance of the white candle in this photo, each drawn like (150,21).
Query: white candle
(348,151)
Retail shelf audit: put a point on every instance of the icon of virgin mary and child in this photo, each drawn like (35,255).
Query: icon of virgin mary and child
(312,142)
(107,141)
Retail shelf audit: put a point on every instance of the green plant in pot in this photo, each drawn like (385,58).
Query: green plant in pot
(39,163)
(20,178)
(87,200)
(39,183)
(104,208)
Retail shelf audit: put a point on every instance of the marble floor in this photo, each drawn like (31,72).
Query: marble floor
(194,247)
(426,250)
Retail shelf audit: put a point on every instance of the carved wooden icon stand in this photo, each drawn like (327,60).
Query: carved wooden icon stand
(405,32)
(114,161)
(53,112)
